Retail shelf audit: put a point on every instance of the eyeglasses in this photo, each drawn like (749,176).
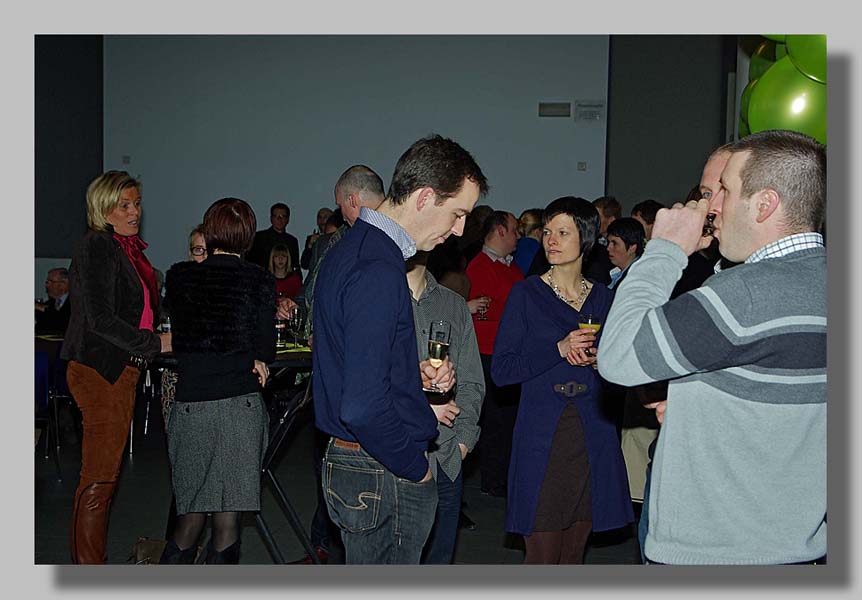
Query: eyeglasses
(55,281)
(198,250)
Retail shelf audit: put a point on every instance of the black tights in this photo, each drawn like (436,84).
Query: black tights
(564,547)
(225,529)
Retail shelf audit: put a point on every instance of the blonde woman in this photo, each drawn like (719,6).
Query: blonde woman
(288,282)
(108,343)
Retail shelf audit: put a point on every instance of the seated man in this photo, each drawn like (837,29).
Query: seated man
(53,315)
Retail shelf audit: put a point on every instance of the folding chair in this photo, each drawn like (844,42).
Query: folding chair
(297,403)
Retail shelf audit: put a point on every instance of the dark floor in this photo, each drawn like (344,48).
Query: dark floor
(142,502)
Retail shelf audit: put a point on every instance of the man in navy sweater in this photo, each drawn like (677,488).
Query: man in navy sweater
(367,391)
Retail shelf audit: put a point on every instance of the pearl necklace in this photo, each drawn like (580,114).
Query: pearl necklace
(556,289)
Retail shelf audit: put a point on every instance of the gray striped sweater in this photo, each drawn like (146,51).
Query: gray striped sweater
(739,474)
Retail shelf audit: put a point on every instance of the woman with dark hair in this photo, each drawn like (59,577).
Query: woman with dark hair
(223,323)
(566,474)
(108,342)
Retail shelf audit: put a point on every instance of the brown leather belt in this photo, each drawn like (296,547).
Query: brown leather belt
(572,388)
(339,443)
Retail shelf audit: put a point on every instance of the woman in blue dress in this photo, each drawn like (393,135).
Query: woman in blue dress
(566,476)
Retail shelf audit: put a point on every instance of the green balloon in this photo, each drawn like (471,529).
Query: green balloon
(745,100)
(743,129)
(775,37)
(784,98)
(762,58)
(808,53)
(780,51)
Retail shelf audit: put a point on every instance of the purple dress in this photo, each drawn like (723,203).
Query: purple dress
(525,352)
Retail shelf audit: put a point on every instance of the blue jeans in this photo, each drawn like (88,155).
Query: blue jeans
(324,533)
(441,543)
(383,519)
(643,524)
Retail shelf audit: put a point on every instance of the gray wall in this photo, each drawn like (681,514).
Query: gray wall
(666,114)
(68,138)
(278,118)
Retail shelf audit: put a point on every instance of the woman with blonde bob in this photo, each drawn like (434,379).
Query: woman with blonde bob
(110,338)
(288,283)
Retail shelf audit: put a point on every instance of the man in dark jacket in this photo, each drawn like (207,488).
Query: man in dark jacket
(53,315)
(279,217)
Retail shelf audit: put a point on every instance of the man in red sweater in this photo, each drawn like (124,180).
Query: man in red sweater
(492,273)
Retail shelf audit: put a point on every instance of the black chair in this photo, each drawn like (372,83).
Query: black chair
(288,413)
(46,416)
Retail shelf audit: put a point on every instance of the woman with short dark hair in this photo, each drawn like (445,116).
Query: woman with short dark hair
(566,473)
(223,324)
(108,342)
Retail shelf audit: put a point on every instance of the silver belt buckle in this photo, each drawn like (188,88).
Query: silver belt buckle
(572,388)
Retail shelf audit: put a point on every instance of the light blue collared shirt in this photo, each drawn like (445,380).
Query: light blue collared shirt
(395,232)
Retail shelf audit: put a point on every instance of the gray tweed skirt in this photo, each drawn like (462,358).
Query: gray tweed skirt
(216,451)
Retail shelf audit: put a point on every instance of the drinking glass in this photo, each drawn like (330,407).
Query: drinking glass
(438,348)
(709,225)
(482,310)
(280,333)
(589,321)
(295,323)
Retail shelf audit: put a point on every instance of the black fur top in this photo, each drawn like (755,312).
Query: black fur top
(222,319)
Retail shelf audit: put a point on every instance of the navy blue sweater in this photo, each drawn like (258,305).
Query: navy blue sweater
(367,386)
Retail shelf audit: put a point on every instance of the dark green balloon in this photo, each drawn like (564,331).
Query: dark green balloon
(780,51)
(762,58)
(775,37)
(784,98)
(745,100)
(808,53)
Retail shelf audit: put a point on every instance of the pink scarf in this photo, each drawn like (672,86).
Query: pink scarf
(133,247)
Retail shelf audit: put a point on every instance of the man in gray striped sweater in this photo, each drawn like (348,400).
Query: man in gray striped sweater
(739,474)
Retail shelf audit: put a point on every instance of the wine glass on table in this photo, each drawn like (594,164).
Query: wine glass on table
(295,322)
(280,327)
(438,349)
(589,321)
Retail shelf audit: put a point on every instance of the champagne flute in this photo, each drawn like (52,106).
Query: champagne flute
(482,309)
(438,348)
(589,321)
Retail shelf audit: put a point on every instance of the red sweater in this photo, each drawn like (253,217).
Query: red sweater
(290,285)
(494,279)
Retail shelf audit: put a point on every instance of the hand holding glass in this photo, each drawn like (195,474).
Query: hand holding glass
(483,309)
(589,321)
(438,348)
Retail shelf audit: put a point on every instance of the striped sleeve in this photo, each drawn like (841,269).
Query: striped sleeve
(717,326)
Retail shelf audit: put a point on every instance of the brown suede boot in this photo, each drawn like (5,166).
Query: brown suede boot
(90,523)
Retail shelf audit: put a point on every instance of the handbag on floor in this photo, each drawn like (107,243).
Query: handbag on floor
(148,551)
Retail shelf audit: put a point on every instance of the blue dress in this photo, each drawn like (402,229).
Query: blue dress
(525,352)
